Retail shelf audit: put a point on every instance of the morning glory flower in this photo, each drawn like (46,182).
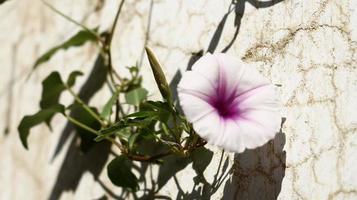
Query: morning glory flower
(229,104)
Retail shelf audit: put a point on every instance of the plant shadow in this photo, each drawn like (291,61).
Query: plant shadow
(238,8)
(76,162)
(270,157)
(255,174)
(201,188)
(258,173)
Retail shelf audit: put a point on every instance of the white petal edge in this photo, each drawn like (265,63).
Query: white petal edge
(262,107)
(208,67)
(209,127)
(232,70)
(193,82)
(245,133)
(261,121)
(194,107)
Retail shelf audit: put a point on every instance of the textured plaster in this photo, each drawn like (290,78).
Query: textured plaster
(307,48)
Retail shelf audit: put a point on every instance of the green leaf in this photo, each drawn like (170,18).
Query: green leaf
(107,109)
(134,70)
(103,136)
(136,96)
(77,40)
(142,114)
(159,75)
(157,105)
(201,158)
(30,121)
(87,137)
(132,139)
(104,133)
(115,127)
(165,129)
(72,78)
(119,172)
(52,88)
(123,134)
(73,106)
(171,165)
(141,119)
(100,138)
(161,109)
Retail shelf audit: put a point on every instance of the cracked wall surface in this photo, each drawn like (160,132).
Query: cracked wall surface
(307,48)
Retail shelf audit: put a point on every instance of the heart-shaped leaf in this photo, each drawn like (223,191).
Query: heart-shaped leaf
(136,96)
(78,39)
(107,109)
(119,172)
(30,121)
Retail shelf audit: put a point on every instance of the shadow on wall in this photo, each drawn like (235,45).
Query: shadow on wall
(238,8)
(255,175)
(76,163)
(258,173)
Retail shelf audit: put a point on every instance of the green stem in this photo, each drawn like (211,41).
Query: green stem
(112,71)
(78,123)
(117,144)
(72,20)
(146,158)
(174,119)
(87,108)
(108,44)
(115,22)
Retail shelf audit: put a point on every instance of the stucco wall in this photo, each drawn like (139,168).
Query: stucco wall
(307,47)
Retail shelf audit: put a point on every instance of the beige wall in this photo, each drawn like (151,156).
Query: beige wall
(306,46)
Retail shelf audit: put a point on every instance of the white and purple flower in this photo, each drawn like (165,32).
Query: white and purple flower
(230,104)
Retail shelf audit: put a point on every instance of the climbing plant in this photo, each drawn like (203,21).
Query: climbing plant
(143,121)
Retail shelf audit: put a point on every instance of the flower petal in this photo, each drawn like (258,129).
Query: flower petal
(263,97)
(251,80)
(219,83)
(231,139)
(252,134)
(194,107)
(231,72)
(196,84)
(207,66)
(231,135)
(242,135)
(269,121)
(209,127)
(262,106)
(223,71)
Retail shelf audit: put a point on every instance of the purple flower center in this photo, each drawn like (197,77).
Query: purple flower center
(225,103)
(226,107)
(224,100)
